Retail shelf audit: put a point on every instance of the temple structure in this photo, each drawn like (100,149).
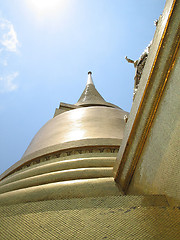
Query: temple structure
(88,174)
(72,155)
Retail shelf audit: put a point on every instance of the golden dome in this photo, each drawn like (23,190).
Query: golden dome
(75,149)
(82,127)
(77,128)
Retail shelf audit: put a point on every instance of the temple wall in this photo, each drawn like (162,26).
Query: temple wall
(148,159)
(158,169)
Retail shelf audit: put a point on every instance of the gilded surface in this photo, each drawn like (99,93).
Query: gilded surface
(58,165)
(110,217)
(162,173)
(67,154)
(83,127)
(88,174)
(81,188)
(83,123)
(159,82)
(91,97)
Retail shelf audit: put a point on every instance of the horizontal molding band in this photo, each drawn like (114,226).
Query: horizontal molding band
(59,165)
(63,190)
(58,176)
(108,149)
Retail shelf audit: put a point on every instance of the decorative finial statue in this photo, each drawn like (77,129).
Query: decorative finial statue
(139,66)
(156,22)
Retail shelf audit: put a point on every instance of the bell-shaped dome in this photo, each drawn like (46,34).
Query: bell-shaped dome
(90,122)
(87,126)
(75,149)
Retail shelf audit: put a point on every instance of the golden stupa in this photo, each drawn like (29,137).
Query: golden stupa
(78,145)
(96,172)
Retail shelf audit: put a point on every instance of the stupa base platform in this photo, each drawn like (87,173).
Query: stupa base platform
(108,217)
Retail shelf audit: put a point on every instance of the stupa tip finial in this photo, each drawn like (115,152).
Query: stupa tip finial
(89,80)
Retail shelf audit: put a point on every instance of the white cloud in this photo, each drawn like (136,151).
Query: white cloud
(8,36)
(7,84)
(8,44)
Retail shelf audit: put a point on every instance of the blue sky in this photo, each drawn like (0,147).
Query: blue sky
(48,46)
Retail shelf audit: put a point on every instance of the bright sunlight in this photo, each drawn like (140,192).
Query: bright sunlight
(47,8)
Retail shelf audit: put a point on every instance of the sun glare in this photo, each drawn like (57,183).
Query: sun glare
(44,8)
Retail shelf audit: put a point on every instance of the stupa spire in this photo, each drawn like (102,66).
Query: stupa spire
(90,95)
(89,80)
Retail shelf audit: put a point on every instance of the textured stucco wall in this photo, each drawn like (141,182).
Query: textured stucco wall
(158,169)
